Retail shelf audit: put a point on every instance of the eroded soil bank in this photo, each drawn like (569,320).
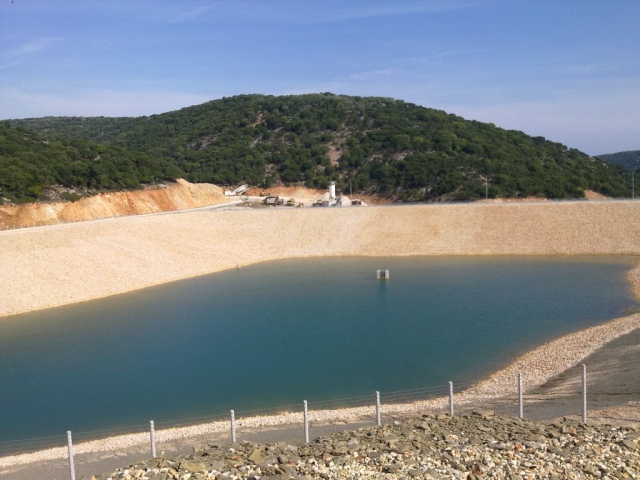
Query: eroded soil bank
(180,195)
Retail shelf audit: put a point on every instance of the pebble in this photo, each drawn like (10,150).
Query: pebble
(414,449)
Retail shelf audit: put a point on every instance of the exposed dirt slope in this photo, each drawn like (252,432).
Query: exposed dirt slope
(178,196)
(310,195)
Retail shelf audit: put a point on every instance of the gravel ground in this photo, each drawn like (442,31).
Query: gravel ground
(466,447)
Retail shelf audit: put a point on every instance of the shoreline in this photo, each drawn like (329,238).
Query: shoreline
(91,260)
(633,276)
(537,366)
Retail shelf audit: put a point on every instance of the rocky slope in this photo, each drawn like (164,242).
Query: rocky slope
(174,196)
(89,260)
(467,447)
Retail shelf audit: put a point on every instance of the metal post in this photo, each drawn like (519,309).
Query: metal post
(72,467)
(584,393)
(451,398)
(152,434)
(233,426)
(378,413)
(306,423)
(521,410)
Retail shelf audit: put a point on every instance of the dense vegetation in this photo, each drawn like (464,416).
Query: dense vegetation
(382,146)
(31,163)
(629,160)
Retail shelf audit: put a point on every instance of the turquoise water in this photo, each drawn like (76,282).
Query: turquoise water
(279,332)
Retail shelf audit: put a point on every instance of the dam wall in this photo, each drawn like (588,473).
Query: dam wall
(57,265)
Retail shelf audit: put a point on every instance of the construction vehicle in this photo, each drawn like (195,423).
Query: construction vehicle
(291,202)
(273,201)
(264,193)
(237,192)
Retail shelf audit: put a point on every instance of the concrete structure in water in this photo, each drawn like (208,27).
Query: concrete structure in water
(382,275)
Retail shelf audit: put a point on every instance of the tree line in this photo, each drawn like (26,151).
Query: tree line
(380,146)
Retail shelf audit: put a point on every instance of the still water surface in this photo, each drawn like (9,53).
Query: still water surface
(279,332)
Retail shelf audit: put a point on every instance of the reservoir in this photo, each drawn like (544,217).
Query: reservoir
(273,334)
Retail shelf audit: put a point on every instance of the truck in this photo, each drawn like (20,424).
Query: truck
(237,192)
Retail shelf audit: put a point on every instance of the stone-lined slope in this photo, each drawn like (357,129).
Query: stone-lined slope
(467,447)
(71,263)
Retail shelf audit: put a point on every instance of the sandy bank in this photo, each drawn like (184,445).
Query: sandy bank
(537,367)
(58,265)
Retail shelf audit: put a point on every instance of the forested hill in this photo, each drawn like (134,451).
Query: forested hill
(383,146)
(32,164)
(629,160)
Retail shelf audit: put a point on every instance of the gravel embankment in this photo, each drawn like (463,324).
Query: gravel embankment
(468,447)
(59,265)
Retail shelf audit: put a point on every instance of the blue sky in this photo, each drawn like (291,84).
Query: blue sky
(567,70)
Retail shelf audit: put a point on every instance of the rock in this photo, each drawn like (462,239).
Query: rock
(424,426)
(191,466)
(471,446)
(256,456)
(200,449)
(217,465)
(432,474)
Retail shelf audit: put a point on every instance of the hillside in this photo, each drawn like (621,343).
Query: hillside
(40,167)
(629,160)
(382,146)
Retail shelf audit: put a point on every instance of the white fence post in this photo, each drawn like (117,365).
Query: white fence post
(584,393)
(152,434)
(306,423)
(378,413)
(451,398)
(72,467)
(233,426)
(520,403)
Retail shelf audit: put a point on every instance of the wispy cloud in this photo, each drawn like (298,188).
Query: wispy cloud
(194,13)
(25,52)
(373,74)
(396,10)
(581,69)
(38,45)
